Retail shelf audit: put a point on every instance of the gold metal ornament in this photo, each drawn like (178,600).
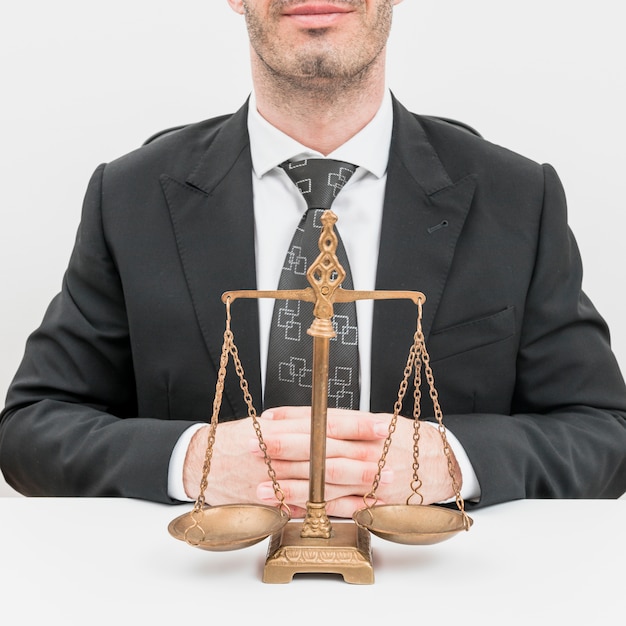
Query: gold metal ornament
(315,544)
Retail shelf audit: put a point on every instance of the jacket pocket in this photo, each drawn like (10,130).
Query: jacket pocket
(471,334)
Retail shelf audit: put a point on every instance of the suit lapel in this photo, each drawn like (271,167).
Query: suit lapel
(422,200)
(213,221)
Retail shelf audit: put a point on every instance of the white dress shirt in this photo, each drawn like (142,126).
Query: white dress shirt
(278,208)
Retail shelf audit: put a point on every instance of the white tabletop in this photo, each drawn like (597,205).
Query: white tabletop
(110,561)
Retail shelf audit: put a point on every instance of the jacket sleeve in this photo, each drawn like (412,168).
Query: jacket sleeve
(65,429)
(566,434)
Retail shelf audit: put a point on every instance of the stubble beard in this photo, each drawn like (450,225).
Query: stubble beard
(319,68)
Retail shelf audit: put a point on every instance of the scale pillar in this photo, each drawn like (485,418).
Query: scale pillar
(314,545)
(316,523)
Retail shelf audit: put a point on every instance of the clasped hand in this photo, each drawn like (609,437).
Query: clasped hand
(353,449)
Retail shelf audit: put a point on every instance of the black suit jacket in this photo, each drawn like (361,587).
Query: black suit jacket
(126,356)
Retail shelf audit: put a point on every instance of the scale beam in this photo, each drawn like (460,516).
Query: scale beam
(325,276)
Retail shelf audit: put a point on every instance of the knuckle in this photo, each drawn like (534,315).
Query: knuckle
(332,472)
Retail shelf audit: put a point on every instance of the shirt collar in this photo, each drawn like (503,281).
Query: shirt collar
(369,148)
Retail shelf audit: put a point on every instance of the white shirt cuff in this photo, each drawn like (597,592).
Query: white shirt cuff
(175,486)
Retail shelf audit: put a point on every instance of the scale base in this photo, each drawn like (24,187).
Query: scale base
(348,552)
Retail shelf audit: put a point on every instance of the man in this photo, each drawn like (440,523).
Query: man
(117,382)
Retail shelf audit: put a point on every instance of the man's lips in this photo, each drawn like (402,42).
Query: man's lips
(317,13)
(317,8)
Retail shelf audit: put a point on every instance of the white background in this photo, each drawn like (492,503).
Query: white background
(85,82)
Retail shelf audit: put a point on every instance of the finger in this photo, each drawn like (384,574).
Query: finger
(288,446)
(296,492)
(341,423)
(346,506)
(291,470)
(346,472)
(366,451)
(359,474)
(357,425)
(288,413)
(283,446)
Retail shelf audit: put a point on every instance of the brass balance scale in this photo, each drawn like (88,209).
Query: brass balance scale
(313,544)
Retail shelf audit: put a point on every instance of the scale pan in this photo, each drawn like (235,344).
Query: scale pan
(413,524)
(228,527)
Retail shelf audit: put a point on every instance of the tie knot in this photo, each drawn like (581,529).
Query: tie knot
(319,180)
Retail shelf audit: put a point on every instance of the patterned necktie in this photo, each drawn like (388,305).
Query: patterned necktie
(290,357)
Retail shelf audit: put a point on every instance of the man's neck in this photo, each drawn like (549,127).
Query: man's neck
(323,116)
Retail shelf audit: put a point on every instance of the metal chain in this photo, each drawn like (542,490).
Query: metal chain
(442,431)
(243,383)
(416,483)
(217,403)
(397,407)
(418,355)
(199,505)
(229,347)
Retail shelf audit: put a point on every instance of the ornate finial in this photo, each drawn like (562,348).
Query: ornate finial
(326,273)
